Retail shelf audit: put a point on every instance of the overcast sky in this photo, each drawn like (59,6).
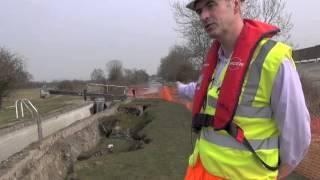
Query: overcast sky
(67,39)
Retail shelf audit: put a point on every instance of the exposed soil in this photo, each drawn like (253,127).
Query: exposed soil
(120,133)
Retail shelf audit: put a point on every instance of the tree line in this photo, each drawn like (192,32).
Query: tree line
(116,74)
(14,75)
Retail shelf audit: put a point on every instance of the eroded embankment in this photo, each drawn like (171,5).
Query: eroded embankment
(121,132)
(54,157)
(51,158)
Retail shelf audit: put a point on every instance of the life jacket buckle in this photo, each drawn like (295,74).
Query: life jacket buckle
(201,120)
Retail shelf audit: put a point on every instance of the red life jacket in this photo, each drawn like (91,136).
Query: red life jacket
(252,33)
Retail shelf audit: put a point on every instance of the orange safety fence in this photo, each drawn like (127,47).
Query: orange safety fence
(166,93)
(315,126)
(171,95)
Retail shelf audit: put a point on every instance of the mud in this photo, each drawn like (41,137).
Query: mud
(117,135)
(136,109)
(112,131)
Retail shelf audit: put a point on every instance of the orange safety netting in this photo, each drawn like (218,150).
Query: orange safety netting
(315,125)
(171,95)
(166,93)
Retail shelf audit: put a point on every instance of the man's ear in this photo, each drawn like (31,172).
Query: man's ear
(236,6)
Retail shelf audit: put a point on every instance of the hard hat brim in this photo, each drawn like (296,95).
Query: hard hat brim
(191,5)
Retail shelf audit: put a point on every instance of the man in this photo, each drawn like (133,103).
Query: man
(248,105)
(133,92)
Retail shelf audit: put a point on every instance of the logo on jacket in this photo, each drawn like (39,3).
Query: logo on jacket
(236,63)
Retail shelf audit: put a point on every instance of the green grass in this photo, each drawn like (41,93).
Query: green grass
(44,106)
(166,157)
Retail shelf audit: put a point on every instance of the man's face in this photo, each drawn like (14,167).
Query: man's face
(216,16)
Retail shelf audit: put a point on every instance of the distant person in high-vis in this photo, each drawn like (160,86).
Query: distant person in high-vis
(248,106)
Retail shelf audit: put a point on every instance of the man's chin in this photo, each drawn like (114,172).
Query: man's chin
(212,35)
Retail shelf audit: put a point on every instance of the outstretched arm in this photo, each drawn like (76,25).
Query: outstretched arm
(186,90)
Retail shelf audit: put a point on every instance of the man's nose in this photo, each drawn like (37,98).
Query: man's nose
(204,15)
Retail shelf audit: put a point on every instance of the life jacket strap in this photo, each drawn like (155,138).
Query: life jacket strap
(204,120)
(237,133)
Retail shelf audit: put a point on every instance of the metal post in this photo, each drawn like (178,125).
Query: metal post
(85,94)
(22,113)
(17,109)
(39,122)
(32,109)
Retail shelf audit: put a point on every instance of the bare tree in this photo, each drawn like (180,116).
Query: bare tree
(114,69)
(189,26)
(177,65)
(272,12)
(12,72)
(97,76)
(191,29)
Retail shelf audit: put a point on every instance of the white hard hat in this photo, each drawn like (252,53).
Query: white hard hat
(192,4)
